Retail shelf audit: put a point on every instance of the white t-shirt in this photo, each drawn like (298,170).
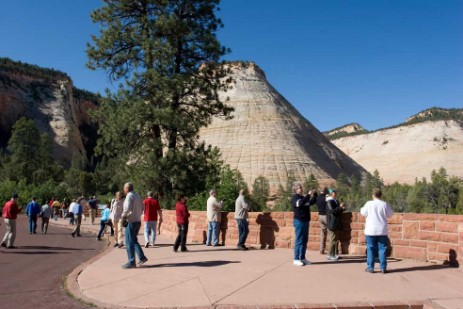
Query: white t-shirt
(376,213)
(74,207)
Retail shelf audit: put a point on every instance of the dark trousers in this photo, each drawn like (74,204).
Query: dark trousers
(45,221)
(32,220)
(243,231)
(103,224)
(181,237)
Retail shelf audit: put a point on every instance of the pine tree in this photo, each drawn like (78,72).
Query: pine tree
(260,193)
(168,55)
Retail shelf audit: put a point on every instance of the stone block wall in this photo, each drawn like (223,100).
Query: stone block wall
(426,237)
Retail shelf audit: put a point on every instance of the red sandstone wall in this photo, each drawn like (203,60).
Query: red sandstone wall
(427,237)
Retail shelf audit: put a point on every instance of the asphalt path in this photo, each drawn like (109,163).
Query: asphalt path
(31,276)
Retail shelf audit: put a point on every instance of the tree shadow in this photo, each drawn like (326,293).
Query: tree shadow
(268,227)
(195,264)
(32,252)
(52,248)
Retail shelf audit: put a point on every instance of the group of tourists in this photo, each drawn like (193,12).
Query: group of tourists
(126,213)
(330,212)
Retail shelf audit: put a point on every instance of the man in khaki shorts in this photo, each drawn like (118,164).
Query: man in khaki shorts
(321,205)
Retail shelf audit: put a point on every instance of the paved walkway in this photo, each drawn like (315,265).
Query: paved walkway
(225,277)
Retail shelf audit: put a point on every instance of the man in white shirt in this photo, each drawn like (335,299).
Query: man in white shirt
(214,218)
(376,213)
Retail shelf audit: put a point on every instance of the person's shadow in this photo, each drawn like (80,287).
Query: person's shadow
(268,227)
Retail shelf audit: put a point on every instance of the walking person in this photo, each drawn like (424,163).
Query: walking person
(376,213)
(182,215)
(133,209)
(241,217)
(73,208)
(150,216)
(10,213)
(92,204)
(78,216)
(321,206)
(32,211)
(334,211)
(105,220)
(45,214)
(117,206)
(56,205)
(214,218)
(301,219)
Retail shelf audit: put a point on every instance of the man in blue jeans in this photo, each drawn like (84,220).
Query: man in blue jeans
(214,218)
(133,209)
(32,211)
(376,213)
(241,216)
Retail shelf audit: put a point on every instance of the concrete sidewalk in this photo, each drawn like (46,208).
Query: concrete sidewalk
(226,277)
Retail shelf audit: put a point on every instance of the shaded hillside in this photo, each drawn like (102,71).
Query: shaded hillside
(48,97)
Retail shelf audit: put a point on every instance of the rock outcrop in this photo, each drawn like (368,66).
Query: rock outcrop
(348,129)
(408,151)
(47,97)
(269,137)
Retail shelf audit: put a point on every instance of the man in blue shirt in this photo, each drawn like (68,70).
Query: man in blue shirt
(78,216)
(92,203)
(32,211)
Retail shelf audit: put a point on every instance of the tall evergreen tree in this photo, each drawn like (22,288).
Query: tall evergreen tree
(167,53)
(260,193)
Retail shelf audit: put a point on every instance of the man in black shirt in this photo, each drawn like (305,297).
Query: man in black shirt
(321,205)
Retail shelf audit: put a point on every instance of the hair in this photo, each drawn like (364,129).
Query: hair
(150,193)
(212,191)
(129,186)
(377,192)
(180,196)
(297,186)
(324,190)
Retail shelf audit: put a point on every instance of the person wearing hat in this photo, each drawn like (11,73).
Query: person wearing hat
(10,213)
(334,223)
(32,211)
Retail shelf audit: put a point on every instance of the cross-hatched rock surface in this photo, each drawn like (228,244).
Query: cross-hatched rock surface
(269,137)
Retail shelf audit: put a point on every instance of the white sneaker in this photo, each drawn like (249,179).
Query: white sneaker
(306,262)
(332,258)
(298,263)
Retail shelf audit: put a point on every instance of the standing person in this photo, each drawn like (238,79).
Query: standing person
(45,215)
(56,209)
(105,221)
(73,208)
(376,213)
(321,206)
(301,208)
(117,206)
(214,218)
(10,213)
(133,209)
(92,204)
(334,211)
(32,211)
(79,209)
(64,207)
(150,216)
(241,216)
(182,215)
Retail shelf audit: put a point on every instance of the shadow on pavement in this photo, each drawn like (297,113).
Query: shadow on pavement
(416,268)
(352,260)
(15,251)
(196,264)
(51,248)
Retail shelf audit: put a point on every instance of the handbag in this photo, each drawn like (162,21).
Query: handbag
(124,222)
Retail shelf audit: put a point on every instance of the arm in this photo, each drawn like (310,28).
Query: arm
(128,206)
(364,210)
(159,221)
(389,211)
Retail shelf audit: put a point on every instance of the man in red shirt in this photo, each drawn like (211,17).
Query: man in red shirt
(10,213)
(150,214)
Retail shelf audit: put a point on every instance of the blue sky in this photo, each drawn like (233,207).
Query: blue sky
(337,61)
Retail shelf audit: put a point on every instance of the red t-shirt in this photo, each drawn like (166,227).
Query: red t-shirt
(10,210)
(182,213)
(151,209)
